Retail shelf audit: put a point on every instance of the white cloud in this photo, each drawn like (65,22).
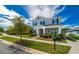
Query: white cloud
(28,21)
(10,13)
(5,11)
(5,22)
(43,10)
(60,10)
(64,19)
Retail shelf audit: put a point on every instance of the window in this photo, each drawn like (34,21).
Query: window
(42,22)
(57,21)
(34,24)
(52,21)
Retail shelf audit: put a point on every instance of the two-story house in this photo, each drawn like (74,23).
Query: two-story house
(42,25)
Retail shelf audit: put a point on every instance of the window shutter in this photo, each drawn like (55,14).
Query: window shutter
(57,21)
(52,21)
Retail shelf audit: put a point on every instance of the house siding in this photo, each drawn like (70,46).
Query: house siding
(43,25)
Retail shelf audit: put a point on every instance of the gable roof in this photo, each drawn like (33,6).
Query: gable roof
(43,18)
(76,28)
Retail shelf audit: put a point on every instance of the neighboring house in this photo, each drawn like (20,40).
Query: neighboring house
(42,25)
(74,31)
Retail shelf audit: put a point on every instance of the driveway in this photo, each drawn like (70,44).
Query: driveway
(6,49)
(75,47)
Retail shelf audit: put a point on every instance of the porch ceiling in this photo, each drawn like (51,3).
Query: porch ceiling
(52,26)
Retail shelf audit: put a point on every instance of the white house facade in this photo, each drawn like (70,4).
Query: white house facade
(42,25)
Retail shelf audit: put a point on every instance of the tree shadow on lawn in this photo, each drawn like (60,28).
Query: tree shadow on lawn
(49,39)
(44,47)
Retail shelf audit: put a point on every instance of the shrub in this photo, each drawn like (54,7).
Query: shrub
(53,36)
(32,34)
(62,36)
(57,37)
(47,35)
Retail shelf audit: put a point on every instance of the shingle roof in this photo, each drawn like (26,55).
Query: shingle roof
(76,28)
(43,17)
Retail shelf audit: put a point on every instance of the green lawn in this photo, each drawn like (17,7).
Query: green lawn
(49,39)
(60,49)
(74,37)
(1,35)
(26,36)
(41,38)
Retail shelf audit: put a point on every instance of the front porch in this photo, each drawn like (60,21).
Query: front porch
(48,30)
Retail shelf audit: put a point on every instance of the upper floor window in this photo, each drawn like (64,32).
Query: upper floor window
(57,21)
(34,23)
(42,22)
(53,21)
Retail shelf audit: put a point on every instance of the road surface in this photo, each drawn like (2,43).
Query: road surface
(6,49)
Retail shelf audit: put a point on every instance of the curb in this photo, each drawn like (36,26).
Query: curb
(26,49)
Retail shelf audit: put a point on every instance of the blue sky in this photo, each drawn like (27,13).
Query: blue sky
(68,13)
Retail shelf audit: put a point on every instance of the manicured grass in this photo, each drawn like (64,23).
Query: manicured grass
(11,39)
(74,36)
(60,49)
(41,38)
(27,36)
(1,35)
(49,39)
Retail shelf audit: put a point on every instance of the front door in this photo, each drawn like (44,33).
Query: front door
(55,30)
(40,31)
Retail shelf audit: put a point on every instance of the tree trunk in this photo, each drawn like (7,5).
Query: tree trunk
(21,37)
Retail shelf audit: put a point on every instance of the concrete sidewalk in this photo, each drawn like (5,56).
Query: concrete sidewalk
(33,39)
(74,45)
(4,49)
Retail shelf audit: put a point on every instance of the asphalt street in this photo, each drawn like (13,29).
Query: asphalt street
(6,49)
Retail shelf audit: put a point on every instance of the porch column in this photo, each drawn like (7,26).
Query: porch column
(59,30)
(43,30)
(37,32)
